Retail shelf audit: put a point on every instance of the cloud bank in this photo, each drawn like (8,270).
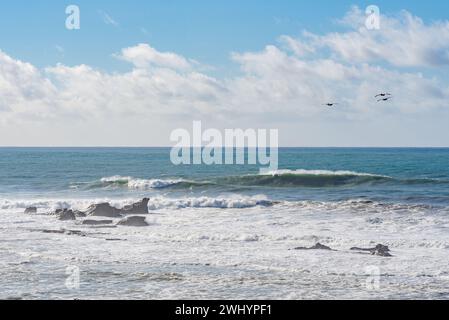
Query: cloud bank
(284,83)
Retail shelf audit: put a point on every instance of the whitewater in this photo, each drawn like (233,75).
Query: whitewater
(220,232)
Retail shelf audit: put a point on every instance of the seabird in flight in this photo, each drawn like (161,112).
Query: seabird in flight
(382,95)
(384,99)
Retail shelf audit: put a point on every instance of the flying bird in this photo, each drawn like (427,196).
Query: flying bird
(330,104)
(382,95)
(384,99)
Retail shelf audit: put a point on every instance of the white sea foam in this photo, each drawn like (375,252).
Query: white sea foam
(48,205)
(224,241)
(321,173)
(134,183)
(235,201)
(208,202)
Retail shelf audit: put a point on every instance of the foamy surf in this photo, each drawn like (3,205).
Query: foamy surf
(135,183)
(159,202)
(240,202)
(305,172)
(49,205)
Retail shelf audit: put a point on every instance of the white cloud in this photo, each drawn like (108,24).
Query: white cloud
(143,56)
(404,41)
(279,85)
(277,82)
(299,47)
(24,91)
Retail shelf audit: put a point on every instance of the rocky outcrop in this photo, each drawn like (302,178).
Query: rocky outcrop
(140,207)
(66,215)
(133,221)
(103,210)
(96,222)
(317,246)
(79,214)
(31,210)
(379,250)
(106,210)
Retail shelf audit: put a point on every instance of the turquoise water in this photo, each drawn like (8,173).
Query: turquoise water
(415,176)
(226,232)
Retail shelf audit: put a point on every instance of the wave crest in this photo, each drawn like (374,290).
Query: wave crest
(142,184)
(307,178)
(279,178)
(208,202)
(304,172)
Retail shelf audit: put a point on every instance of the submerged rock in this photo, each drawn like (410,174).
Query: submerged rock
(103,210)
(133,221)
(66,215)
(96,222)
(140,207)
(31,210)
(379,250)
(317,246)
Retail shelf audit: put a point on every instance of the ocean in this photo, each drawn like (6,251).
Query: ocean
(226,231)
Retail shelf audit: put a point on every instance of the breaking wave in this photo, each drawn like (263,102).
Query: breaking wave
(48,205)
(226,202)
(307,178)
(133,183)
(279,178)
(209,202)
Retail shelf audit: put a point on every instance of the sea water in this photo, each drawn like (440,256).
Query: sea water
(226,231)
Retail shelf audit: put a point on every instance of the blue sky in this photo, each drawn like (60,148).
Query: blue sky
(204,30)
(149,67)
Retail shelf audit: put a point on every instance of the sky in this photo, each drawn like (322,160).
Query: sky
(137,70)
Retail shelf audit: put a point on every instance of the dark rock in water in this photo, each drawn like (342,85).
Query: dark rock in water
(31,210)
(62,231)
(266,203)
(375,220)
(66,215)
(58,212)
(103,210)
(96,222)
(133,221)
(66,232)
(317,246)
(140,207)
(75,233)
(79,214)
(379,250)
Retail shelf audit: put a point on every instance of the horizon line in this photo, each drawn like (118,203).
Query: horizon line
(280,147)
